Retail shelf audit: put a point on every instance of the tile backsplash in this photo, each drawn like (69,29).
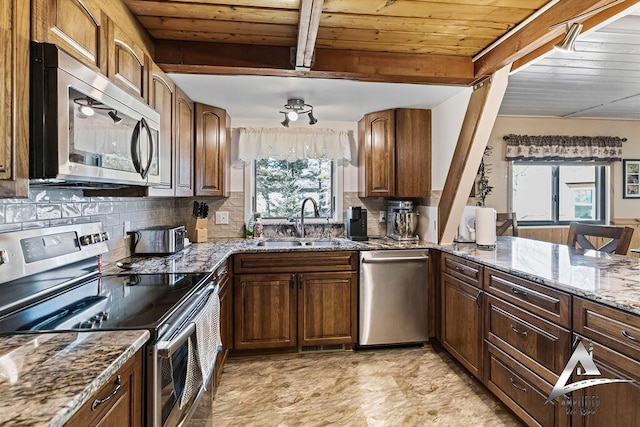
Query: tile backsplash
(49,207)
(53,207)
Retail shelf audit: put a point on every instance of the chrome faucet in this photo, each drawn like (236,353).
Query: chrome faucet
(300,228)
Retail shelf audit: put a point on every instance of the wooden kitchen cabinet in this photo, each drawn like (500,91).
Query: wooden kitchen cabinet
(14,92)
(226,319)
(394,153)
(462,315)
(78,26)
(327,308)
(619,402)
(306,306)
(527,333)
(121,399)
(128,63)
(265,311)
(213,155)
(185,120)
(162,97)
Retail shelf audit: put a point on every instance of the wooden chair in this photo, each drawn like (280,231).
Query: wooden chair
(618,238)
(506,220)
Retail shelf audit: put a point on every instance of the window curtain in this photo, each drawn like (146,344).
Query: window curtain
(293,144)
(561,147)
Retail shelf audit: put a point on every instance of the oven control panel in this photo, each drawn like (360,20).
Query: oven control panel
(94,321)
(27,252)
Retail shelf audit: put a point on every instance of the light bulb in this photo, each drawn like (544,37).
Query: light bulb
(292,115)
(87,110)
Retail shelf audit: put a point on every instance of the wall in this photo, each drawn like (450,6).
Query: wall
(446,121)
(499,176)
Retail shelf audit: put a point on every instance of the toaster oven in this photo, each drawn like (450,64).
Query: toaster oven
(158,240)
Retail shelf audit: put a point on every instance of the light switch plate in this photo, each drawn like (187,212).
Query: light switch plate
(222,217)
(381,216)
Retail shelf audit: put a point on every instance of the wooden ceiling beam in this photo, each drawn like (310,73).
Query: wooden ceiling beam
(589,24)
(238,59)
(537,34)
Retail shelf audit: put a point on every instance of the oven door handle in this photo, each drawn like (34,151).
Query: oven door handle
(167,348)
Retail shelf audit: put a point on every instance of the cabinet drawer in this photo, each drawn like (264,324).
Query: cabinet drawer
(522,391)
(548,303)
(118,402)
(614,328)
(462,269)
(279,262)
(541,345)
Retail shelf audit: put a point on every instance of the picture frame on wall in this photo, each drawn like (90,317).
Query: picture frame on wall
(631,179)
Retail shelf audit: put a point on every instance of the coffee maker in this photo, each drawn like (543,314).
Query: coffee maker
(402,221)
(357,223)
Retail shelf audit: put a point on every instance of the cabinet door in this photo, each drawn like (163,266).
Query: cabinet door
(378,155)
(413,153)
(162,93)
(184,144)
(128,62)
(212,151)
(77,26)
(327,308)
(265,311)
(226,325)
(121,399)
(462,322)
(14,92)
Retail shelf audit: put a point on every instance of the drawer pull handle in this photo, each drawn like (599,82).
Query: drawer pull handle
(518,386)
(628,335)
(458,268)
(523,333)
(115,391)
(519,293)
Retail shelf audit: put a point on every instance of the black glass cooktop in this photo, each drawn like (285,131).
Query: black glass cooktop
(123,301)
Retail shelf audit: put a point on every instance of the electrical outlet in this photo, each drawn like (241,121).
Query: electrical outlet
(126,227)
(222,217)
(382,216)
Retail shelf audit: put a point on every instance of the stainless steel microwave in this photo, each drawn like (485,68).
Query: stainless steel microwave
(85,130)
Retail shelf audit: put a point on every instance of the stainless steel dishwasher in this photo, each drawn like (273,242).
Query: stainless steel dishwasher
(393,297)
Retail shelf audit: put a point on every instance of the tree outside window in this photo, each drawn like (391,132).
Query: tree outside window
(281,186)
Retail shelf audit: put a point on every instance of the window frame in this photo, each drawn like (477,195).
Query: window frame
(338,194)
(603,177)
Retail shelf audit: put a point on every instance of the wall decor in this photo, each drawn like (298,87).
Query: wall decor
(631,179)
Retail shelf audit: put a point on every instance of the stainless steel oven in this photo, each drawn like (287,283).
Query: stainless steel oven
(50,281)
(85,129)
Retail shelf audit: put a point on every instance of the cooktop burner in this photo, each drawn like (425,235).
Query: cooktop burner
(123,301)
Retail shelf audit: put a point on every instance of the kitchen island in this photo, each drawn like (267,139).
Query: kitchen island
(46,378)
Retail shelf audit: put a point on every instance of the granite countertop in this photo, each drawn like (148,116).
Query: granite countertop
(46,378)
(613,280)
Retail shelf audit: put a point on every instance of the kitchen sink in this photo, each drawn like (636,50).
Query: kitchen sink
(279,243)
(297,243)
(323,243)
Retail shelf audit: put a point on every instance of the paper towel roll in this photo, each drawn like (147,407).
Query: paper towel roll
(485,227)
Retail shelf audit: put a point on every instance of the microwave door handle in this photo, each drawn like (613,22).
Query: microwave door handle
(135,147)
(145,171)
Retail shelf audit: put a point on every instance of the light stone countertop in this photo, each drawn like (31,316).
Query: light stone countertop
(46,378)
(613,280)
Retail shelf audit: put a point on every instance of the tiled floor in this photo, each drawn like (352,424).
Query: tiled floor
(391,387)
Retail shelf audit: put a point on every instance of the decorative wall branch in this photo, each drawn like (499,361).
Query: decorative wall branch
(482,183)
(563,147)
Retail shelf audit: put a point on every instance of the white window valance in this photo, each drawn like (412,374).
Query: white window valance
(293,144)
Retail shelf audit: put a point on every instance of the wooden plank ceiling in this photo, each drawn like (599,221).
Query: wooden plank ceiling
(422,41)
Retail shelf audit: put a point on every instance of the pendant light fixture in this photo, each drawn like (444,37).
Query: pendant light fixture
(568,42)
(294,108)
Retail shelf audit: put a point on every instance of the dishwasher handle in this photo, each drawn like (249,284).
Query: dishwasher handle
(394,259)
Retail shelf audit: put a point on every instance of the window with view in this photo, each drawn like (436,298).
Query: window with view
(281,185)
(555,194)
